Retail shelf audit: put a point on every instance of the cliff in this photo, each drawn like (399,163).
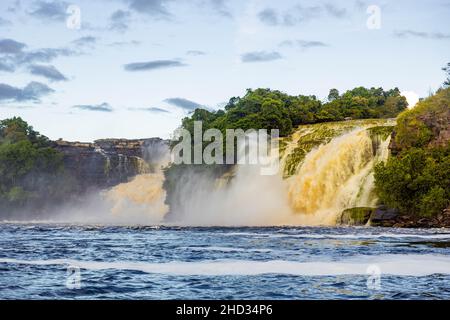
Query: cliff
(108,162)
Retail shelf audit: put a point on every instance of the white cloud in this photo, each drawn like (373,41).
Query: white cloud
(411,97)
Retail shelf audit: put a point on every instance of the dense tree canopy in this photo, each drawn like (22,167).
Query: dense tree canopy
(273,109)
(29,165)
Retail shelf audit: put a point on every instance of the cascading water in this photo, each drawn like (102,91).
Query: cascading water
(335,176)
(143,197)
(332,171)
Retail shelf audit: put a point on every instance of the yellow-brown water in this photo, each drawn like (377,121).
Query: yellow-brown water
(143,196)
(324,169)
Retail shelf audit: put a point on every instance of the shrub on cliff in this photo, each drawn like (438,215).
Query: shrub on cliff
(416,179)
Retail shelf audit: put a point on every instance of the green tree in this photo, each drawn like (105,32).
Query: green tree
(29,166)
(446,69)
(333,95)
(416,178)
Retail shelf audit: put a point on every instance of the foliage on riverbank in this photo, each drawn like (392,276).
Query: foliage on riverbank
(30,168)
(416,178)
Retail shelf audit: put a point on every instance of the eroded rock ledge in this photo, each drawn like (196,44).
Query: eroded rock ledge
(385,217)
(107,162)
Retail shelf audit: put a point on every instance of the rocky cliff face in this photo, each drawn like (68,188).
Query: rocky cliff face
(108,162)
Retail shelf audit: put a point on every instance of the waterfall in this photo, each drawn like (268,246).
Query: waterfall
(143,198)
(335,176)
(324,169)
(140,199)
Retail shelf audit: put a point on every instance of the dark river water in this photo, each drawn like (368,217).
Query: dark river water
(40,261)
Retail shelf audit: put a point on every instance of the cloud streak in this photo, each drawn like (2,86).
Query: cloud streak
(184,104)
(195,53)
(154,8)
(49,72)
(219,6)
(150,109)
(10,46)
(31,92)
(304,44)
(153,65)
(4,22)
(299,14)
(15,54)
(50,10)
(85,41)
(260,56)
(120,20)
(421,34)
(103,107)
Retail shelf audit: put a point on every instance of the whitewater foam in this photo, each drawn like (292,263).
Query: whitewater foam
(396,265)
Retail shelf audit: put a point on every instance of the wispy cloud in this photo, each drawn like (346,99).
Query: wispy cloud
(10,46)
(103,107)
(120,20)
(300,14)
(150,109)
(4,22)
(85,41)
(49,72)
(50,10)
(7,67)
(124,43)
(44,55)
(195,53)
(303,44)
(31,92)
(153,65)
(335,11)
(260,56)
(15,54)
(422,34)
(154,8)
(160,9)
(220,7)
(184,104)
(269,17)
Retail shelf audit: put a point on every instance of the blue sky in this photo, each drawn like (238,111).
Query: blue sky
(135,68)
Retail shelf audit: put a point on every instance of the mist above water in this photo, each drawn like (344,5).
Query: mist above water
(332,177)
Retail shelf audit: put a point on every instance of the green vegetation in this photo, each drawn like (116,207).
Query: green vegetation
(356,216)
(416,178)
(29,166)
(447,71)
(293,149)
(382,132)
(272,109)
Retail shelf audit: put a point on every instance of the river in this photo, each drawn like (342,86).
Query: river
(57,261)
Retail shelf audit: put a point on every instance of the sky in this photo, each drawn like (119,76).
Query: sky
(89,69)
